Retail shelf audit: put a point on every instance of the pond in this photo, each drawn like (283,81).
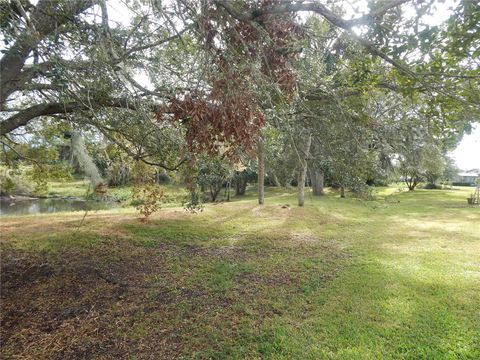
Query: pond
(12,207)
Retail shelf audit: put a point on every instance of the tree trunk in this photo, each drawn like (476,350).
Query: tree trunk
(317,179)
(342,192)
(240,185)
(411,182)
(302,171)
(228,191)
(261,171)
(214,191)
(415,183)
(276,181)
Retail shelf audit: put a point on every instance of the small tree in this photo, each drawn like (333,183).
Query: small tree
(450,171)
(420,161)
(147,195)
(241,180)
(213,172)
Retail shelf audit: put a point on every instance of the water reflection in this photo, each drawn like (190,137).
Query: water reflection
(41,206)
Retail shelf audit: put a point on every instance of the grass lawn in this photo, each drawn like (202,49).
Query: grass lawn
(397,278)
(172,194)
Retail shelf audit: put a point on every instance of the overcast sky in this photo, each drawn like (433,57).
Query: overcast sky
(467,153)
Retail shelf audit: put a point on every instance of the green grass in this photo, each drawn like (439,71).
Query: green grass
(75,188)
(173,194)
(395,278)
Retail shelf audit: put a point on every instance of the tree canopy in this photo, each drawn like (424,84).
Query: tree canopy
(180,78)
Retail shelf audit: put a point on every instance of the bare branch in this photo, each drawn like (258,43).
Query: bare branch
(19,154)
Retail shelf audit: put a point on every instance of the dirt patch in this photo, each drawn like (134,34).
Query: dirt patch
(302,238)
(118,299)
(66,306)
(18,271)
(220,252)
(79,304)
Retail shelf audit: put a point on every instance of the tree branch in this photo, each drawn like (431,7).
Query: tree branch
(23,117)
(324,96)
(335,20)
(157,43)
(47,17)
(21,155)
(377,14)
(137,157)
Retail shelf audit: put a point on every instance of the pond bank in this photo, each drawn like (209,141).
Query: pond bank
(17,198)
(24,205)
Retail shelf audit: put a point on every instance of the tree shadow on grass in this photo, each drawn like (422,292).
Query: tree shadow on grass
(163,289)
(374,312)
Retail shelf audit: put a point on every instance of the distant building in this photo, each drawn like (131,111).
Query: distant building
(469,176)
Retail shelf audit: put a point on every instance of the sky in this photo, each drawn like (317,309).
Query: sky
(467,153)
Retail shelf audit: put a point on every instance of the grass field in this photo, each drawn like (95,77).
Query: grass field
(172,194)
(396,278)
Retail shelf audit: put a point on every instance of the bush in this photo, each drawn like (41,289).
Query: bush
(431,186)
(213,172)
(462,184)
(119,174)
(364,192)
(162,178)
(147,199)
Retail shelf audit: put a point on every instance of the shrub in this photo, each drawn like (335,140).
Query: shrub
(118,174)
(431,186)
(462,184)
(364,192)
(162,178)
(147,199)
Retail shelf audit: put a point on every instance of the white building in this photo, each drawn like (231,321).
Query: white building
(469,176)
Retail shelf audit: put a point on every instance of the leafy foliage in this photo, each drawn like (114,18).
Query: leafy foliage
(212,173)
(146,194)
